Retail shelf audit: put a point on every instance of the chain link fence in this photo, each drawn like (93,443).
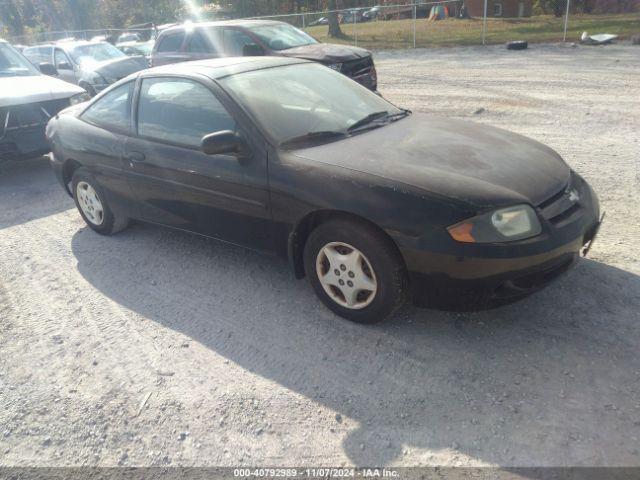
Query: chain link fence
(472,22)
(112,35)
(411,24)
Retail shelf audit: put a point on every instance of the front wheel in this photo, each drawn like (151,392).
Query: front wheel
(355,270)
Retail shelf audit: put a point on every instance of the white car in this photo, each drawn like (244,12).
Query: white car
(92,65)
(28,99)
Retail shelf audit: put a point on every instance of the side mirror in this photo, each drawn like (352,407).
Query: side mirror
(252,50)
(64,66)
(48,69)
(224,142)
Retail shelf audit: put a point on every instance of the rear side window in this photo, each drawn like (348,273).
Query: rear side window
(38,54)
(180,111)
(235,41)
(201,42)
(61,58)
(113,110)
(171,43)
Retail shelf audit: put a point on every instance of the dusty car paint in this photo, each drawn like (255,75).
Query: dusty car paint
(326,52)
(412,179)
(33,89)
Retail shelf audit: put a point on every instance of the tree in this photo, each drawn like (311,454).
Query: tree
(334,24)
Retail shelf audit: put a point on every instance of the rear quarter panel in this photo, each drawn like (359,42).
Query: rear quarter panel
(98,150)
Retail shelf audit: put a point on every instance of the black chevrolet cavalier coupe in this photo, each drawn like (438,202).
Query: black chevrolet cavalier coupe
(370,202)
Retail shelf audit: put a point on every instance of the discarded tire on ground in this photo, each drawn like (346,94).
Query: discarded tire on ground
(517,45)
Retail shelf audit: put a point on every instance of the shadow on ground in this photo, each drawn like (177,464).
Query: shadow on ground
(28,191)
(552,380)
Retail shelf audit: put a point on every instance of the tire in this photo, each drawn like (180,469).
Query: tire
(83,184)
(517,45)
(381,268)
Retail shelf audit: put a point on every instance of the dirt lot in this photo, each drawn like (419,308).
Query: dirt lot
(155,347)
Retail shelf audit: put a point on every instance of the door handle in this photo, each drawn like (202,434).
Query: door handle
(135,157)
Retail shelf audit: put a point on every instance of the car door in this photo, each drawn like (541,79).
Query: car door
(64,66)
(176,184)
(169,49)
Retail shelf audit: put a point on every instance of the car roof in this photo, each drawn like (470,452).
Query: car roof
(221,67)
(71,44)
(220,23)
(133,43)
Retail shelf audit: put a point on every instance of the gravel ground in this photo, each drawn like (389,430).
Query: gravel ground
(155,347)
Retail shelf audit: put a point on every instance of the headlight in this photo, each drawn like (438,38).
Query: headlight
(335,66)
(79,98)
(504,225)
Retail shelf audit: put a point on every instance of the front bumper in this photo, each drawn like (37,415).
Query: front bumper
(467,276)
(23,143)
(22,128)
(362,71)
(368,80)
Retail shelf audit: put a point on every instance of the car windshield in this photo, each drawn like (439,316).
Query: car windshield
(13,64)
(137,48)
(282,36)
(308,100)
(95,52)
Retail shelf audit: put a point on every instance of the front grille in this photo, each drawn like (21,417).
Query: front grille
(30,115)
(356,68)
(562,206)
(54,106)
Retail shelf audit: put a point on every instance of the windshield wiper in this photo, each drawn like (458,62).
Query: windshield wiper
(401,114)
(367,120)
(314,136)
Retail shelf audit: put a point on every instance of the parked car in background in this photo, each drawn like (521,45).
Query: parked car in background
(136,49)
(320,21)
(28,99)
(91,65)
(128,37)
(368,200)
(238,38)
(351,15)
(372,13)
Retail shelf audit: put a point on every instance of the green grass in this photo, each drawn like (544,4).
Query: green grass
(449,32)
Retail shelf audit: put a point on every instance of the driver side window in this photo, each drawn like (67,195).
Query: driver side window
(180,111)
(235,41)
(62,59)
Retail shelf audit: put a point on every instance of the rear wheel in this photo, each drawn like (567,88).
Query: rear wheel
(355,270)
(92,204)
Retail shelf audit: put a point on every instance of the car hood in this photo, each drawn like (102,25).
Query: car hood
(117,68)
(326,52)
(34,88)
(478,165)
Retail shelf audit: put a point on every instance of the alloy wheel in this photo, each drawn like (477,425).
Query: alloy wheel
(90,203)
(346,275)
